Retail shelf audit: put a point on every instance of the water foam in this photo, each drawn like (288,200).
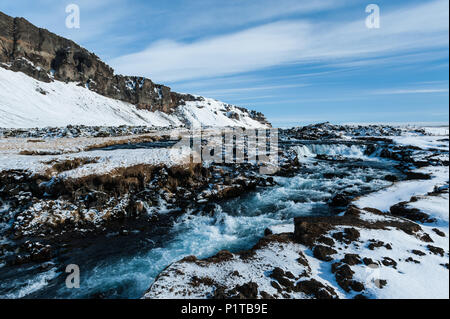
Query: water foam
(311,150)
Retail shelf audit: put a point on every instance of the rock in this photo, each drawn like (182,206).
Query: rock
(381,283)
(339,201)
(357,286)
(221,256)
(345,271)
(303,261)
(418,252)
(265,295)
(220,293)
(436,250)
(375,244)
(268,232)
(438,232)
(348,236)
(389,262)
(307,233)
(417,175)
(326,240)
(411,260)
(426,238)
(275,285)
(391,178)
(323,252)
(248,290)
(279,275)
(38,52)
(335,266)
(369,261)
(413,214)
(351,259)
(316,289)
(351,234)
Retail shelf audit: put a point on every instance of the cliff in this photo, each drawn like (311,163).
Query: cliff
(46,57)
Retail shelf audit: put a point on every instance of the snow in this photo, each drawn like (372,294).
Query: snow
(403,191)
(257,270)
(426,280)
(435,206)
(282,228)
(414,276)
(195,113)
(436,130)
(106,161)
(423,142)
(28,103)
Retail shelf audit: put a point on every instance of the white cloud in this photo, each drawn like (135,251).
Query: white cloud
(206,15)
(253,89)
(421,27)
(409,91)
(243,51)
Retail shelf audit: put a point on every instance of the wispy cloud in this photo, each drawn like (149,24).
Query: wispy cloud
(254,88)
(293,41)
(207,16)
(409,91)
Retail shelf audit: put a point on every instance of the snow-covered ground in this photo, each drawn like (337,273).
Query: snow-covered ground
(27,103)
(36,156)
(403,191)
(389,257)
(403,266)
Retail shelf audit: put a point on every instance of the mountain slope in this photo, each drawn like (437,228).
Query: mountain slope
(26,102)
(66,84)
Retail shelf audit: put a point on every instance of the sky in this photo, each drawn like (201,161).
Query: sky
(297,61)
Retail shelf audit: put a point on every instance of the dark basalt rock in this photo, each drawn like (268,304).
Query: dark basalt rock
(340,200)
(436,250)
(248,291)
(323,252)
(377,244)
(412,260)
(438,232)
(418,252)
(351,259)
(389,262)
(279,275)
(344,275)
(411,213)
(416,175)
(391,178)
(347,236)
(316,289)
(308,232)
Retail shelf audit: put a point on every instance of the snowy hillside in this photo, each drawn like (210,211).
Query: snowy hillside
(26,102)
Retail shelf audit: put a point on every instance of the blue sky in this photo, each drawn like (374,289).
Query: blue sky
(296,61)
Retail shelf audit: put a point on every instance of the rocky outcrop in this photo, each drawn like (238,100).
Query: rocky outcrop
(47,57)
(44,55)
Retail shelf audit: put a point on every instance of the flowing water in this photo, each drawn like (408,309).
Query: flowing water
(125,267)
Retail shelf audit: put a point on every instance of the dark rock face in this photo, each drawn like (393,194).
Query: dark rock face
(38,52)
(45,56)
(316,289)
(414,214)
(323,252)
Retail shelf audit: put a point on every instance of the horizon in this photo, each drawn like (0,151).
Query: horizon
(297,63)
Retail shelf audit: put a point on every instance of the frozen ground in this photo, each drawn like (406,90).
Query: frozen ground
(386,261)
(28,103)
(389,256)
